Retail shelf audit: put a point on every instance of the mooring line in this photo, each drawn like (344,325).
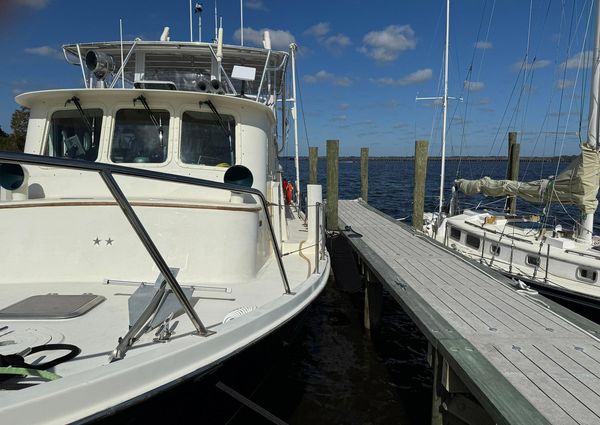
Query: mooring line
(250,404)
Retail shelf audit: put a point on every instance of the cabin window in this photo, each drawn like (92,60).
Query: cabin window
(455,233)
(473,241)
(587,275)
(533,260)
(74,134)
(207,140)
(140,136)
(495,249)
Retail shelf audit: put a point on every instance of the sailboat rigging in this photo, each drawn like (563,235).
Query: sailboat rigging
(557,262)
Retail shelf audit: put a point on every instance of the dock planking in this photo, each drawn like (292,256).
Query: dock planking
(525,360)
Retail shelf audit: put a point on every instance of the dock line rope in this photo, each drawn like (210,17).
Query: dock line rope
(15,364)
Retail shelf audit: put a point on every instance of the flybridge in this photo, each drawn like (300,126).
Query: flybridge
(188,66)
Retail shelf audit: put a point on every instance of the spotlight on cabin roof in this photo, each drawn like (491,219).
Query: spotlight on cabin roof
(99,63)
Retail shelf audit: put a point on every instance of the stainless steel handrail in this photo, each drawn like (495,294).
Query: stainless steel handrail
(109,169)
(262,78)
(148,243)
(317,235)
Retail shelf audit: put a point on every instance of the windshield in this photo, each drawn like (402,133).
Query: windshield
(70,136)
(136,138)
(203,140)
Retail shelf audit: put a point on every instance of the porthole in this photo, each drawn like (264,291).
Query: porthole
(495,249)
(587,275)
(533,260)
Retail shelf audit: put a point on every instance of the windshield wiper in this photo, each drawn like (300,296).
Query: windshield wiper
(75,100)
(157,122)
(221,123)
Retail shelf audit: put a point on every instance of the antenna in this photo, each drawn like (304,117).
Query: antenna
(121,34)
(216,25)
(219,50)
(199,12)
(191,30)
(242,21)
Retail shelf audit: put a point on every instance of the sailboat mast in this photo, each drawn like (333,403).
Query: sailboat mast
(592,139)
(586,228)
(445,111)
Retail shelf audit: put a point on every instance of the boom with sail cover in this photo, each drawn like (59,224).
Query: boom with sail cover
(576,185)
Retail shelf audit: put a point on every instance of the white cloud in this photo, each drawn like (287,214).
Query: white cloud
(337,42)
(564,84)
(482,45)
(36,4)
(318,30)
(342,81)
(412,78)
(324,76)
(535,64)
(581,59)
(318,77)
(386,45)
(473,85)
(46,51)
(280,39)
(255,5)
(340,118)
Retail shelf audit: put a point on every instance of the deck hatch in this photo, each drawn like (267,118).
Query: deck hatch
(51,306)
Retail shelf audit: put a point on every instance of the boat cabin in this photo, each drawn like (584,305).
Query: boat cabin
(173,107)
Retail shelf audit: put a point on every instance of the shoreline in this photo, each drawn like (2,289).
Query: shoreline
(567,158)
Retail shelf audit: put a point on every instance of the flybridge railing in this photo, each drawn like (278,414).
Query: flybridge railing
(272,75)
(107,172)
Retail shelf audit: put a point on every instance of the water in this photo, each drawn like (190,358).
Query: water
(325,368)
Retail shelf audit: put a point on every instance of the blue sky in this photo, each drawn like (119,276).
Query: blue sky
(361,64)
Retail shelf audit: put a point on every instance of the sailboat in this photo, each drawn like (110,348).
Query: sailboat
(560,263)
(145,237)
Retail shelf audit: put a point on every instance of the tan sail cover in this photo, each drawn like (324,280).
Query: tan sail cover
(577,184)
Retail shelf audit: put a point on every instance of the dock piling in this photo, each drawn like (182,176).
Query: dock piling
(313,158)
(373,301)
(333,152)
(421,147)
(436,397)
(512,169)
(364,174)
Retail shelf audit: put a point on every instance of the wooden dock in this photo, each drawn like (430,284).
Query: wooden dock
(499,356)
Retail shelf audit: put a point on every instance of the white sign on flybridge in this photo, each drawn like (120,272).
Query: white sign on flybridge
(244,73)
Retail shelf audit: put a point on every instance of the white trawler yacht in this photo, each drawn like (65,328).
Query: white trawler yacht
(145,234)
(556,261)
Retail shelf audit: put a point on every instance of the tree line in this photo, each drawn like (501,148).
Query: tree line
(18,123)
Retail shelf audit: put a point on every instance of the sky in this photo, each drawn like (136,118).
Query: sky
(515,65)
